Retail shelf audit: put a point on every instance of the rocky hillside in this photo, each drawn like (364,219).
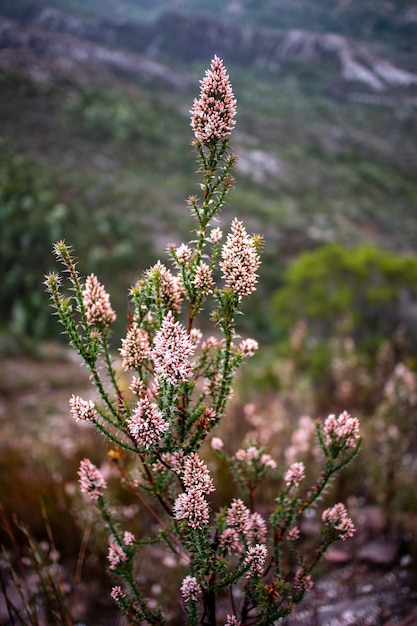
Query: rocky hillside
(191,38)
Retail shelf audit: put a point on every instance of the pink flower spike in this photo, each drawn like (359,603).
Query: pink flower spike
(343,429)
(212,115)
(255,559)
(91,482)
(295,474)
(190,589)
(240,260)
(172,349)
(97,303)
(337,518)
(116,555)
(82,410)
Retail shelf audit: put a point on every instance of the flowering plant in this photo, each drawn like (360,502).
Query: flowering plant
(234,560)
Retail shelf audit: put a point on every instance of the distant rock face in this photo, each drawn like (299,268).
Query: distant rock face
(189,38)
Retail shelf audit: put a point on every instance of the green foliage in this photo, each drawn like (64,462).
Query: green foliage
(37,207)
(365,293)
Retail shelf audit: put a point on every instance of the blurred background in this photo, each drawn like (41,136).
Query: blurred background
(95,149)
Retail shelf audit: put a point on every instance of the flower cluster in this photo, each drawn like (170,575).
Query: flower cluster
(116,555)
(172,350)
(342,430)
(253,455)
(212,115)
(97,304)
(190,589)
(91,481)
(337,518)
(135,348)
(240,260)
(192,505)
(295,474)
(255,560)
(82,410)
(168,287)
(146,424)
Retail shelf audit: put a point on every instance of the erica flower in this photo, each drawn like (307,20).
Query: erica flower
(146,424)
(82,410)
(231,620)
(217,443)
(196,474)
(193,507)
(172,349)
(203,279)
(303,581)
(238,516)
(336,517)
(128,538)
(91,482)
(257,529)
(117,594)
(295,474)
(190,589)
(215,235)
(343,430)
(230,540)
(116,555)
(255,559)
(135,348)
(212,115)
(170,288)
(97,303)
(248,347)
(240,261)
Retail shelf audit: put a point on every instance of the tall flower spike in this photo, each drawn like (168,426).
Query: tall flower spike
(212,115)
(92,483)
(240,261)
(172,349)
(97,303)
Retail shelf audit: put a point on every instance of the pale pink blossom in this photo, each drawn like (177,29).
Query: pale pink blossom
(337,518)
(343,429)
(97,303)
(293,534)
(91,481)
(183,253)
(176,460)
(258,531)
(295,474)
(212,115)
(196,336)
(303,581)
(196,474)
(135,348)
(82,410)
(240,260)
(128,538)
(169,288)
(268,461)
(238,516)
(190,589)
(210,342)
(146,424)
(172,351)
(192,507)
(231,620)
(203,279)
(116,555)
(230,540)
(255,559)
(248,347)
(217,443)
(117,594)
(216,235)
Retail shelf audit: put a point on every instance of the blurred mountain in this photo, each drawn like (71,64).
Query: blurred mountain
(190,37)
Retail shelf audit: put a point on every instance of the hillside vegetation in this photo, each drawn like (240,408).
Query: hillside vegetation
(96,149)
